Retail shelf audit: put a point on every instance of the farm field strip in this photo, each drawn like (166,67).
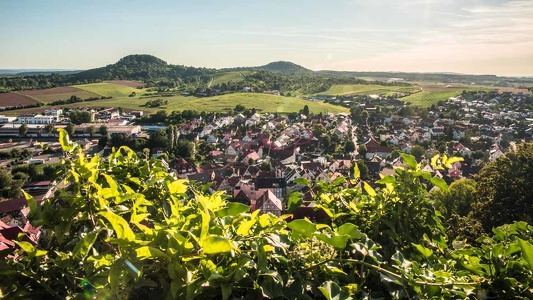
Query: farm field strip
(14,99)
(109,89)
(347,89)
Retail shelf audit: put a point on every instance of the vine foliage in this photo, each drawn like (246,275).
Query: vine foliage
(128,229)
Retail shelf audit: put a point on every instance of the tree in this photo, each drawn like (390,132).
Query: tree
(349,147)
(239,108)
(418,152)
(326,142)
(318,130)
(79,117)
(23,129)
(9,187)
(102,130)
(70,129)
(305,111)
(504,192)
(362,150)
(91,130)
(49,128)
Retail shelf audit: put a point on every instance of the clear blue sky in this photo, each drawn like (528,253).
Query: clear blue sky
(468,36)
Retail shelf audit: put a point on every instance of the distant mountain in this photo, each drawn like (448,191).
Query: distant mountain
(33,72)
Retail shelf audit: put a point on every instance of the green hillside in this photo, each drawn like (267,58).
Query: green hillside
(109,89)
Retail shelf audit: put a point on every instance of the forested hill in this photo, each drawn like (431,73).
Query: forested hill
(141,67)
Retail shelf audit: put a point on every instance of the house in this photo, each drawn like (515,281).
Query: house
(267,202)
(35,119)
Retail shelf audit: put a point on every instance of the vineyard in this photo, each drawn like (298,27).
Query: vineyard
(128,229)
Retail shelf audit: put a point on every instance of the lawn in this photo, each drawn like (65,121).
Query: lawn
(346,89)
(109,89)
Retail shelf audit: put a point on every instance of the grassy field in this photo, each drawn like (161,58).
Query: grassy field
(346,89)
(109,89)
(261,102)
(227,77)
(433,93)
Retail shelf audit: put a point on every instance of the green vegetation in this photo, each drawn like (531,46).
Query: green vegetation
(426,98)
(128,229)
(345,89)
(109,89)
(227,77)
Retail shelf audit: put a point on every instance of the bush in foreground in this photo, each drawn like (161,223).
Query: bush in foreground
(128,229)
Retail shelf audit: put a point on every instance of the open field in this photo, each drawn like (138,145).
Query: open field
(127,83)
(59,93)
(227,77)
(347,89)
(261,102)
(109,89)
(13,99)
(429,96)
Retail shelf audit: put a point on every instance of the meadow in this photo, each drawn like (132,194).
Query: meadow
(109,89)
(366,89)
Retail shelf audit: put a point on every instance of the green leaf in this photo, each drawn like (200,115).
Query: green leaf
(301,181)
(147,252)
(527,251)
(350,230)
(177,186)
(434,160)
(214,244)
(84,245)
(369,190)
(332,291)
(387,179)
(302,226)
(423,250)
(409,160)
(440,183)
(121,227)
(450,161)
(64,140)
(337,241)
(245,226)
(233,209)
(32,204)
(295,200)
(27,247)
(356,171)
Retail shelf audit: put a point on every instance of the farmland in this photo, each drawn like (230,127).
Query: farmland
(348,89)
(108,89)
(59,93)
(13,99)
(433,93)
(261,102)
(133,84)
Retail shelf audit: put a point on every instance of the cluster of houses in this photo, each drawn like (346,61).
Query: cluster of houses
(115,122)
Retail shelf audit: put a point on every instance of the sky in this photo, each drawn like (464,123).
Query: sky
(464,36)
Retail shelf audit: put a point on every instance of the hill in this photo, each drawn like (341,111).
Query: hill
(285,67)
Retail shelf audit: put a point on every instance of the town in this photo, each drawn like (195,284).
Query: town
(257,158)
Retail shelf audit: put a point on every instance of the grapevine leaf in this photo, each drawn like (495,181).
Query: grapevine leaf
(440,183)
(214,244)
(295,200)
(301,181)
(409,160)
(527,251)
(369,190)
(356,172)
(84,245)
(121,227)
(303,226)
(332,291)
